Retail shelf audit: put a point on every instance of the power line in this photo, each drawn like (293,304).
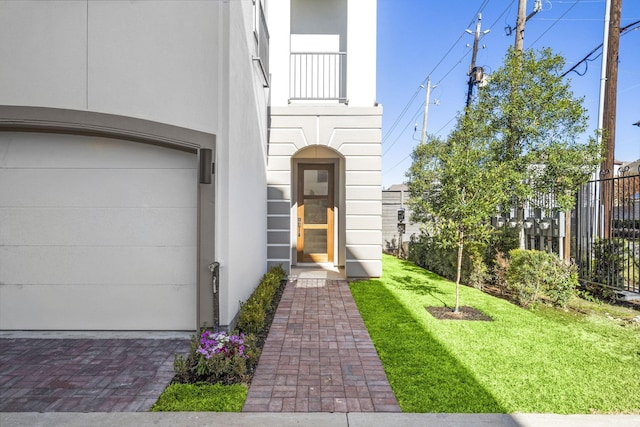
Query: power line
(413,97)
(404,129)
(402,113)
(623,31)
(555,22)
(409,155)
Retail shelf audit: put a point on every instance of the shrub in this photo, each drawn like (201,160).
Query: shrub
(427,252)
(500,267)
(218,358)
(231,358)
(252,316)
(254,311)
(532,274)
(609,264)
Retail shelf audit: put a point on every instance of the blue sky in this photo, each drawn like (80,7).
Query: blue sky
(421,37)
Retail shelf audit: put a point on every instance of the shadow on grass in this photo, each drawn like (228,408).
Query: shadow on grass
(424,375)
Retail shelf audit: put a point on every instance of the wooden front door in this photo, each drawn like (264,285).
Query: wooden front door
(315,213)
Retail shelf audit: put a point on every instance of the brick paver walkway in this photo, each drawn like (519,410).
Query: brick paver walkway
(85,375)
(318,356)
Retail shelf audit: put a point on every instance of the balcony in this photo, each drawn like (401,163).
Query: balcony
(318,76)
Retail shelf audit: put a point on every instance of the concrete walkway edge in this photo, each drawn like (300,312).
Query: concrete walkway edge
(180,419)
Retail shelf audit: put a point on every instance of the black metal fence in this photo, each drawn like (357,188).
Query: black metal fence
(606,232)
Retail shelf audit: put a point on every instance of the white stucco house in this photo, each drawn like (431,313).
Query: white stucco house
(143,141)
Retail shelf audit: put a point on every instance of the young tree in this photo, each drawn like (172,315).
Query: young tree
(519,139)
(533,123)
(455,186)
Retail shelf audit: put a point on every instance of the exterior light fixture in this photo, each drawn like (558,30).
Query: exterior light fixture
(513,223)
(545,224)
(528,223)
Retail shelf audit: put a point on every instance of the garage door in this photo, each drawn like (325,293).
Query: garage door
(96,234)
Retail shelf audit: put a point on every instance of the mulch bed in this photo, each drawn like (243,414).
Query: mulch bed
(464,313)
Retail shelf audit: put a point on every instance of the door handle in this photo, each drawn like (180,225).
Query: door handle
(299,225)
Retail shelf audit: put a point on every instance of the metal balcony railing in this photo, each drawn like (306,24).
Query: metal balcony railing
(318,76)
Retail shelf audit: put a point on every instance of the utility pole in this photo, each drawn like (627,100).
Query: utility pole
(611,85)
(522,19)
(609,111)
(519,46)
(427,89)
(475,74)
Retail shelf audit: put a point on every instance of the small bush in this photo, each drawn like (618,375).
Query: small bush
(609,264)
(218,358)
(427,252)
(251,317)
(253,312)
(231,358)
(532,274)
(500,267)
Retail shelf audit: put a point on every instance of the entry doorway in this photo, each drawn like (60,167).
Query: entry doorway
(315,219)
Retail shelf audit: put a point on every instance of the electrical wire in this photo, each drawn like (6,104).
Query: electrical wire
(556,21)
(404,129)
(623,31)
(413,97)
(409,155)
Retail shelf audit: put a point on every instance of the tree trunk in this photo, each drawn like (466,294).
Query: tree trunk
(520,218)
(460,248)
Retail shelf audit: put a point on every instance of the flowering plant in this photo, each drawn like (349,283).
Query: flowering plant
(221,343)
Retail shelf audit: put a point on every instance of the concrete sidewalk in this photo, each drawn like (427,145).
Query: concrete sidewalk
(183,419)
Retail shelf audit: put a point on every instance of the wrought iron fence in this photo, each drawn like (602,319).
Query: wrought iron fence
(318,76)
(606,231)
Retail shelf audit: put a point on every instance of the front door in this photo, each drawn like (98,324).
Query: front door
(315,213)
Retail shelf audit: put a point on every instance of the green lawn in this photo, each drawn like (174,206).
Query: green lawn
(202,398)
(543,360)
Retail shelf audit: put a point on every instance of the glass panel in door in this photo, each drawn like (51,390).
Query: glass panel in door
(315,213)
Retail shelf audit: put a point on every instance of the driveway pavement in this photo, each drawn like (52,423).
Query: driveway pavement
(80,374)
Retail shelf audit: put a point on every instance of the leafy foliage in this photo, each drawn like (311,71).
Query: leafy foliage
(455,186)
(609,262)
(209,363)
(253,312)
(532,274)
(533,122)
(226,358)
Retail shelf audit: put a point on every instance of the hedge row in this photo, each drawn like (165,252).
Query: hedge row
(253,311)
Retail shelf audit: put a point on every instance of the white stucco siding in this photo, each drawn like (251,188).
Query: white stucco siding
(96,234)
(241,175)
(154,60)
(43,49)
(353,136)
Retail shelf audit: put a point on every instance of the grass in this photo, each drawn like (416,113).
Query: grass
(542,360)
(202,398)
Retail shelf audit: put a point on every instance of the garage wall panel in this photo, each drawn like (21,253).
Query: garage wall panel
(93,222)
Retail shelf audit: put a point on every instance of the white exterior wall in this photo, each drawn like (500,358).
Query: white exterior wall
(183,63)
(361,53)
(352,132)
(354,135)
(358,40)
(241,224)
